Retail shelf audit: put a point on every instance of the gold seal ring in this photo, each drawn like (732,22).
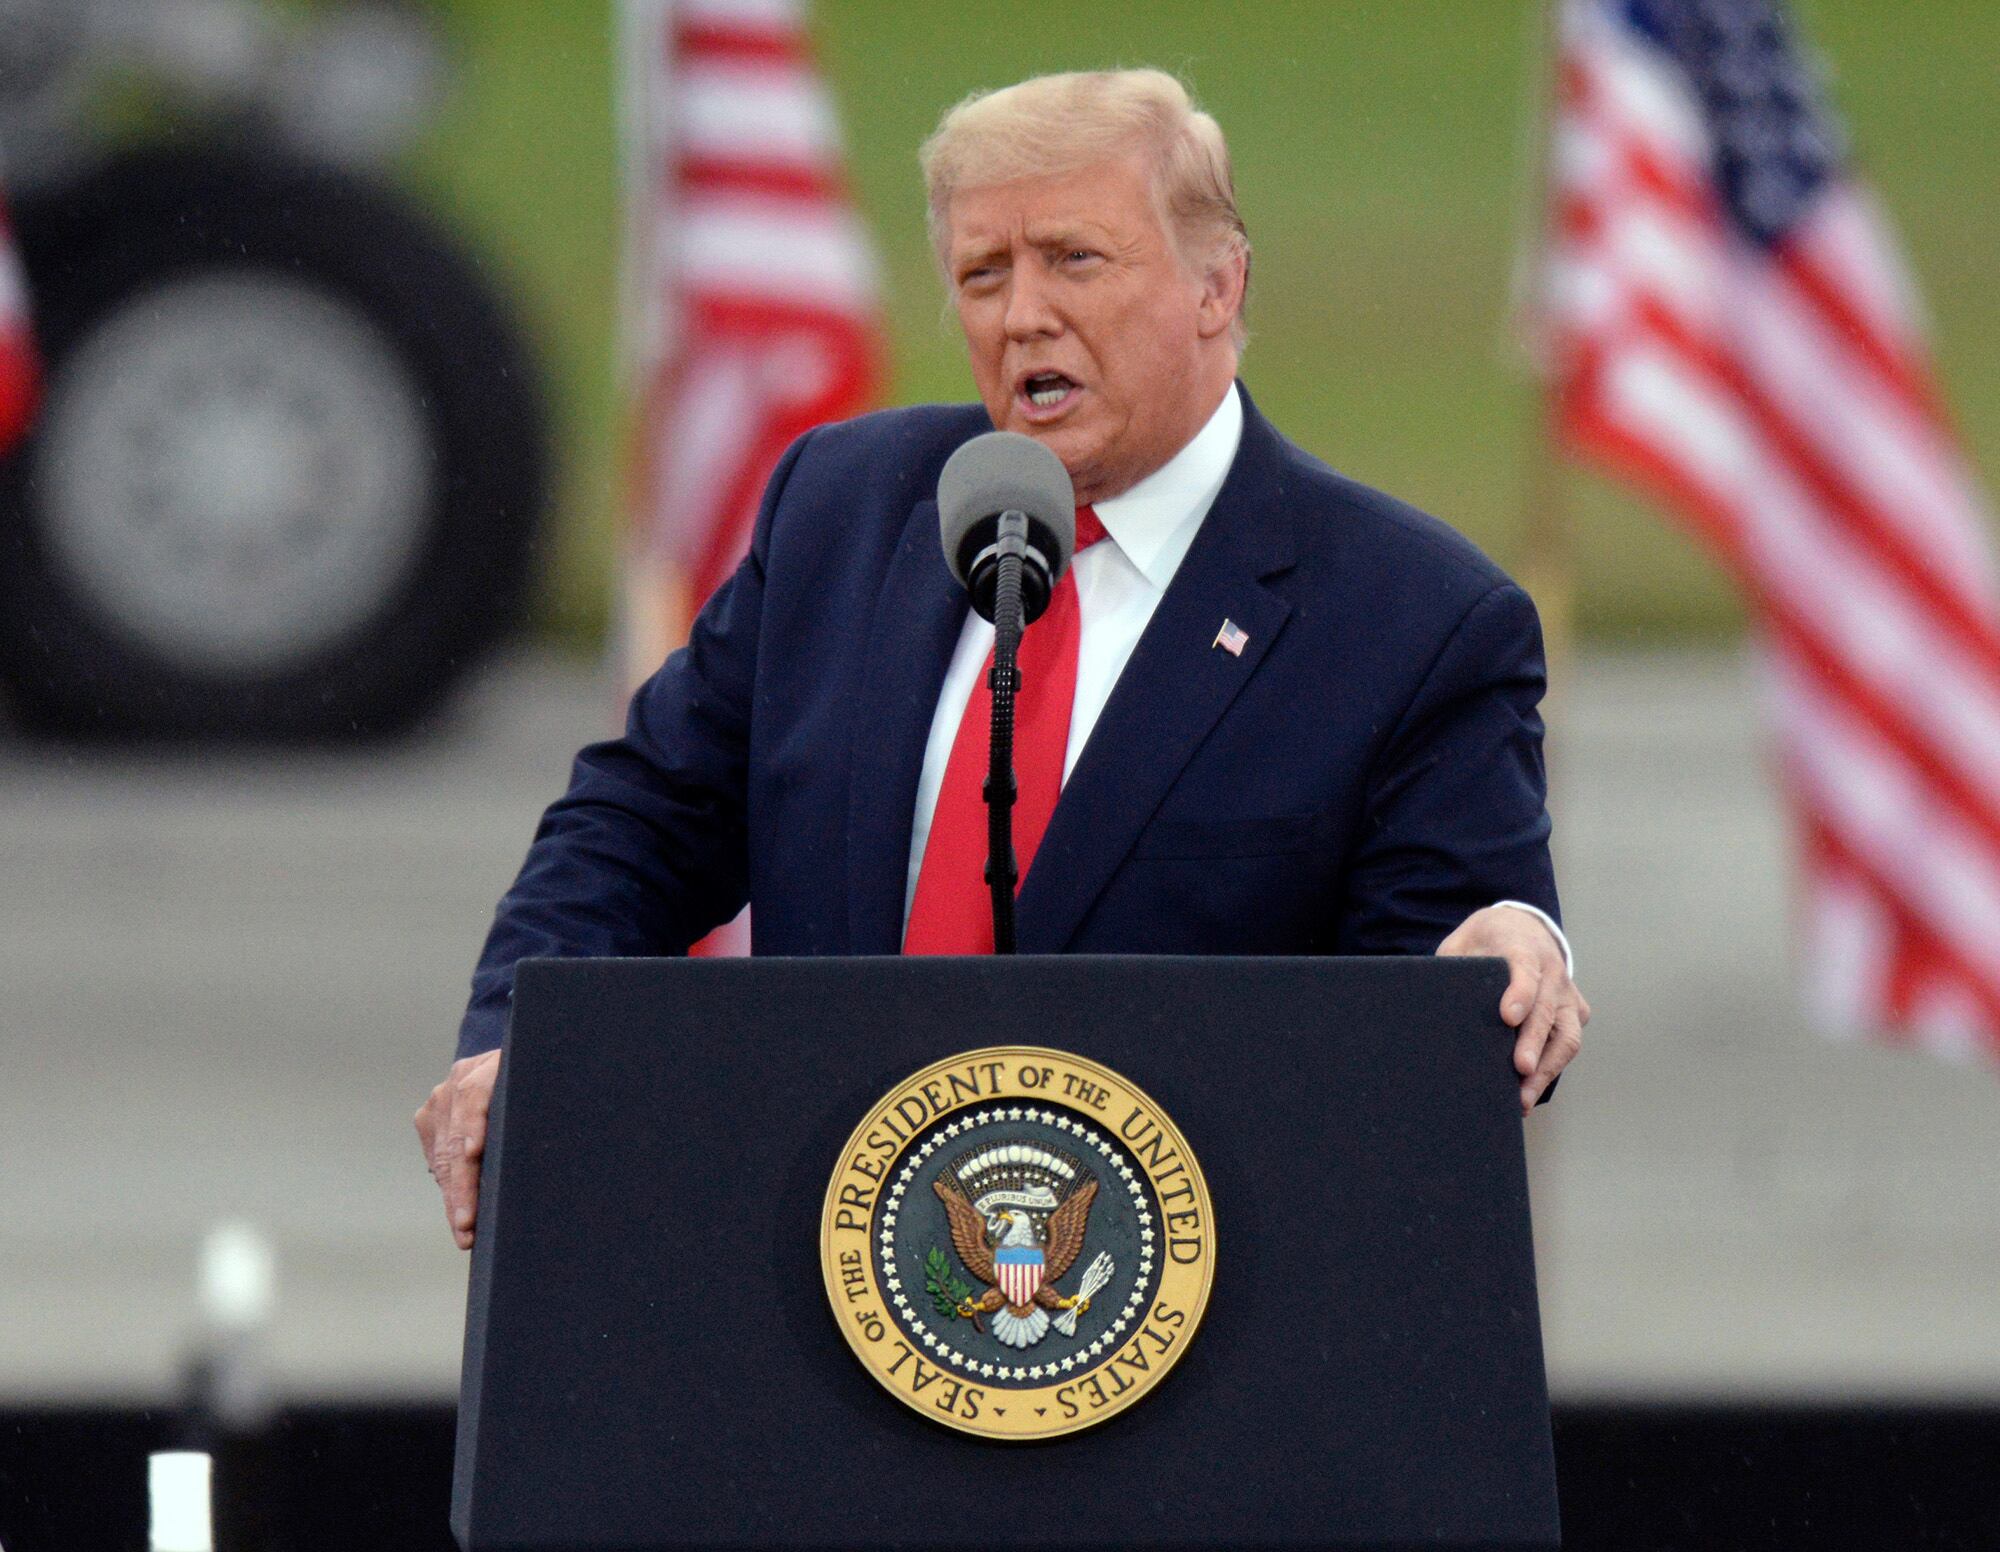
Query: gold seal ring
(1017,1242)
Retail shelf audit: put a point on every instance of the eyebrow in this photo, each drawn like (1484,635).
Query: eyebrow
(961,264)
(1084,236)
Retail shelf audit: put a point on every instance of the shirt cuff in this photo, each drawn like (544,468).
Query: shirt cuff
(1548,921)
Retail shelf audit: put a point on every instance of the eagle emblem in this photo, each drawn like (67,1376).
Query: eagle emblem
(1019,1214)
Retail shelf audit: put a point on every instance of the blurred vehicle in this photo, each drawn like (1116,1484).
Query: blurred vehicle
(289,465)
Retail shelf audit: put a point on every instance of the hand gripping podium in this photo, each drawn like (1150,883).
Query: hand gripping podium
(652,1359)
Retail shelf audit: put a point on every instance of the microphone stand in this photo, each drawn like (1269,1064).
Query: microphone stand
(1009,621)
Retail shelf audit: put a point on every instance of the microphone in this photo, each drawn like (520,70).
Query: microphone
(1004,475)
(1007,511)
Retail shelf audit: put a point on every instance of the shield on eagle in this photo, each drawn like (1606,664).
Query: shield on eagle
(1020,1269)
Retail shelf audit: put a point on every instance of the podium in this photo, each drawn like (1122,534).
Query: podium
(651,1360)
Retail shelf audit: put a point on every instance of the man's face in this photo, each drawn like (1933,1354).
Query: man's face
(1086,329)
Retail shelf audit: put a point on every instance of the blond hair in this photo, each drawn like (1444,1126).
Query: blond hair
(998,136)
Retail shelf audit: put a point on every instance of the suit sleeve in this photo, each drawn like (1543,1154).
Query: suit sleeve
(1456,814)
(646,852)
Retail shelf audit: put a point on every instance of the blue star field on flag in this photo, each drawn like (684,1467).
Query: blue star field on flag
(1776,145)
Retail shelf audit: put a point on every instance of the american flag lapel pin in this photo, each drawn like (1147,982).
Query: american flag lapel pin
(1232,638)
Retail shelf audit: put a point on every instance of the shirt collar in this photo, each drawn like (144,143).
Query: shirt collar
(1155,521)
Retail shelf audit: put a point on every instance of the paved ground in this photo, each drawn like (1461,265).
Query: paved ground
(225,983)
(1729,1202)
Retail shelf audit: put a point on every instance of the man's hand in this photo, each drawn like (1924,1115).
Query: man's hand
(1541,1000)
(452,1127)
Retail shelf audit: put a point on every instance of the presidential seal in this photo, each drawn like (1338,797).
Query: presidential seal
(1017,1242)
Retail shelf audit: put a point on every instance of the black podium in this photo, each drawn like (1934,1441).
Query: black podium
(651,1360)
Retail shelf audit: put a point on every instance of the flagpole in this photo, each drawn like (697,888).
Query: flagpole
(651,607)
(1547,563)
(1546,567)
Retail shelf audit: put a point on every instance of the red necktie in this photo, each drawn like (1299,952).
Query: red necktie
(953,909)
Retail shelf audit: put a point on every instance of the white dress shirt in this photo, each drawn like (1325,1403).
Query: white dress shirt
(1119,582)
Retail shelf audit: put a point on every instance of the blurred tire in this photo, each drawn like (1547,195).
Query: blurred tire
(288,473)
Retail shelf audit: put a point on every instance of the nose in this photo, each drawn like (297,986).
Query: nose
(1031,311)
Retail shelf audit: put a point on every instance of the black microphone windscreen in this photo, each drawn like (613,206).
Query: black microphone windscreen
(1003,471)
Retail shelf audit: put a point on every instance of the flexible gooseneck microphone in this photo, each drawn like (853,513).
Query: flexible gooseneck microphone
(1007,512)
(993,476)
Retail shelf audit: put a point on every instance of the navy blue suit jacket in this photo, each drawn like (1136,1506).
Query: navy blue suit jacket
(1366,774)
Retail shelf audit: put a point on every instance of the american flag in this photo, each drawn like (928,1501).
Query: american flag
(750,296)
(751,300)
(1729,324)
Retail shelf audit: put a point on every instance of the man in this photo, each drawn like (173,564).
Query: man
(1294,716)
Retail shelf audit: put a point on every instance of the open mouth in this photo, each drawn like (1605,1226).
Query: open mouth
(1046,391)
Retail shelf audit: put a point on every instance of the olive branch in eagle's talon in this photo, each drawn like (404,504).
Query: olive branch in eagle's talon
(949,1296)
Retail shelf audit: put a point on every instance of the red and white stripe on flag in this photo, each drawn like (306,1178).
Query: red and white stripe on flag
(751,293)
(752,284)
(20,363)
(1728,322)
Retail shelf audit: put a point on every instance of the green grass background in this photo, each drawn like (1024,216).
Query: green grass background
(1381,150)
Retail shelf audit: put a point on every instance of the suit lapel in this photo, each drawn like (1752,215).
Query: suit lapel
(1174,689)
(918,615)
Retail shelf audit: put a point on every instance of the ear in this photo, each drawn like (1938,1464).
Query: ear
(1222,295)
